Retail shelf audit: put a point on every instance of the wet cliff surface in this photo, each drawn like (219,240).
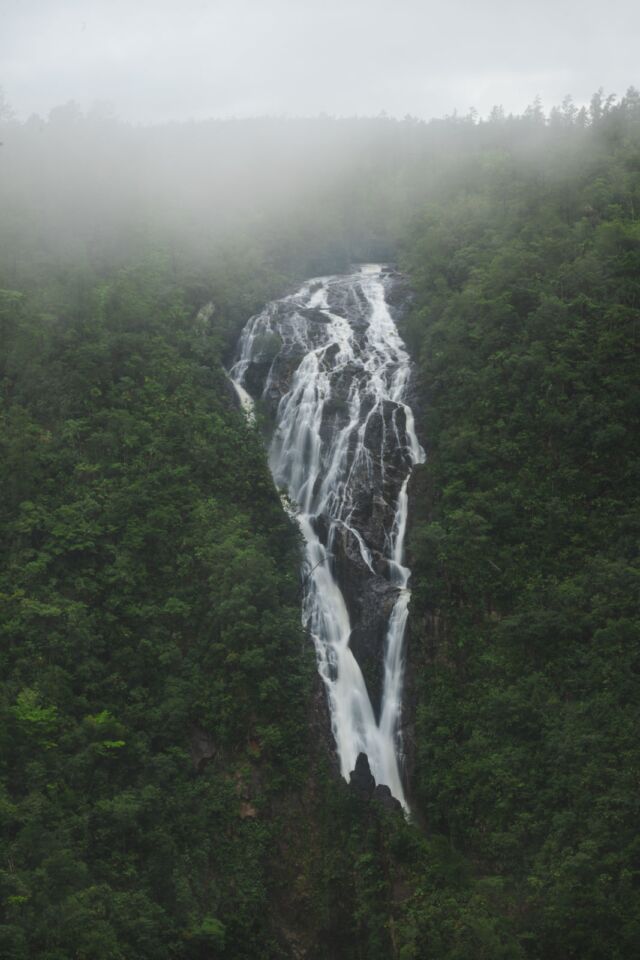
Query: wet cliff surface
(333,376)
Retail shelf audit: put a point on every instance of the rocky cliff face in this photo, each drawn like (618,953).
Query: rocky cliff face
(332,375)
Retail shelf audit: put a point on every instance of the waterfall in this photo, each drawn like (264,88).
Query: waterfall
(332,370)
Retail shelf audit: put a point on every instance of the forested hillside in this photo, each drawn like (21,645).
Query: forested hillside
(525,545)
(168,785)
(150,626)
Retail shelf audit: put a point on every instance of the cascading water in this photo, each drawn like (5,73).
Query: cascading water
(329,363)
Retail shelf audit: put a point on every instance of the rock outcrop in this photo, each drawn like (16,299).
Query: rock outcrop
(363,785)
(361,779)
(332,373)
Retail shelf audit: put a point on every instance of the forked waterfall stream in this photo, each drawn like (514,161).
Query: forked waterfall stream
(333,372)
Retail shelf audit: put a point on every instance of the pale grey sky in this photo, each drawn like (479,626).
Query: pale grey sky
(175,59)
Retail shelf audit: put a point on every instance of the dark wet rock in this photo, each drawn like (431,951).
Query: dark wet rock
(256,376)
(369,597)
(348,302)
(374,480)
(373,609)
(203,749)
(363,785)
(382,795)
(374,431)
(279,376)
(316,315)
(321,525)
(361,779)
(348,563)
(397,292)
(374,516)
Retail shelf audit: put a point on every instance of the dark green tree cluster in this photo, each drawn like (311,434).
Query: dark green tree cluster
(524,548)
(154,676)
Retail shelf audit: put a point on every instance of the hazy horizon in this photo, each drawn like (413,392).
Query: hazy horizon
(160,61)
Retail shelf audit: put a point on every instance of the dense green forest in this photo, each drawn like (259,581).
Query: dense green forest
(525,553)
(156,800)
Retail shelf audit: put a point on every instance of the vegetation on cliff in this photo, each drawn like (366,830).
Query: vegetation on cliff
(167,791)
(525,543)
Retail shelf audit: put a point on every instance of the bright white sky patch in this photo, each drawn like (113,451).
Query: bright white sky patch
(165,59)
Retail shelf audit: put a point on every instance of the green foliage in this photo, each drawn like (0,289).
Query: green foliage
(524,542)
(165,789)
(150,610)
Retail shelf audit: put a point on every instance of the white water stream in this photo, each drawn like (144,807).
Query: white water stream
(333,361)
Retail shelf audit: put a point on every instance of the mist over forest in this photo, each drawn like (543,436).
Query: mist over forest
(319,508)
(88,188)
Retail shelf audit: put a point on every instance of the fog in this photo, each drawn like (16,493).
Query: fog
(310,195)
(156,60)
(92,190)
(298,133)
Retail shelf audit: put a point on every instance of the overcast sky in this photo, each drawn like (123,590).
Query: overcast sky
(165,59)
